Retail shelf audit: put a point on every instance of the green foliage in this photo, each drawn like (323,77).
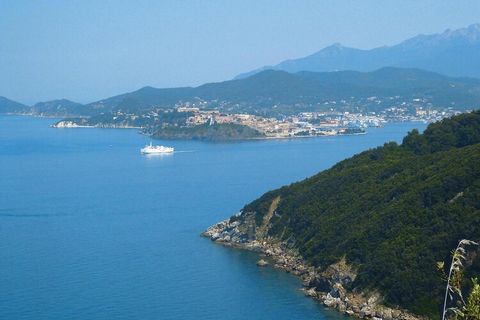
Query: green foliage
(454,302)
(460,131)
(471,311)
(214,132)
(393,211)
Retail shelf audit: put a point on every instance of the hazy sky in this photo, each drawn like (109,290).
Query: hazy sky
(87,50)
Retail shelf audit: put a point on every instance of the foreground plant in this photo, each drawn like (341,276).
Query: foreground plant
(469,310)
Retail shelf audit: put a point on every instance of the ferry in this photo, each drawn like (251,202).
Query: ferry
(151,149)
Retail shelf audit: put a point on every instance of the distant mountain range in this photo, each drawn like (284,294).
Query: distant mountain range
(269,88)
(60,107)
(453,53)
(280,90)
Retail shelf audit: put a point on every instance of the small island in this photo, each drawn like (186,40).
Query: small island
(211,132)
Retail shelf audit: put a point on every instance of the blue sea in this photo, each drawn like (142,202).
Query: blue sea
(91,229)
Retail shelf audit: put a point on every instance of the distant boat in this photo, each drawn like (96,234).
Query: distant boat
(151,149)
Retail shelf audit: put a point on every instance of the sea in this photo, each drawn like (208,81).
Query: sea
(92,229)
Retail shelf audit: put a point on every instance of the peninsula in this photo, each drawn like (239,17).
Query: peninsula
(365,236)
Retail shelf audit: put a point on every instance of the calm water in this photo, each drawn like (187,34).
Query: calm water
(90,229)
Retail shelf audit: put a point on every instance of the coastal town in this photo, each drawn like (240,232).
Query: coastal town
(316,123)
(335,120)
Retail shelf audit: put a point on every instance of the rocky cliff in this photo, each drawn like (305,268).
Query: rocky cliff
(332,286)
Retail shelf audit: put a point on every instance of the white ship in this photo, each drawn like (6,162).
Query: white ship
(151,149)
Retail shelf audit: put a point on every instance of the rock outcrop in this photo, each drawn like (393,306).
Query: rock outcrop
(65,124)
(333,287)
(262,263)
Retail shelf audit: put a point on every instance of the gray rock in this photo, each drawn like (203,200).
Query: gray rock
(311,292)
(387,314)
(262,263)
(396,314)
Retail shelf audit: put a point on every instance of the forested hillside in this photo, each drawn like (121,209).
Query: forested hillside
(393,211)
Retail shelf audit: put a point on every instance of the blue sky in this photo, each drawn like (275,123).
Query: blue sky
(87,50)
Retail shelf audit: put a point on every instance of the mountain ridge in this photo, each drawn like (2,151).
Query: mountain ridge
(11,106)
(60,107)
(451,53)
(277,92)
(271,87)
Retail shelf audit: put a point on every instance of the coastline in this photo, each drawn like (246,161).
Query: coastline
(65,123)
(95,127)
(330,287)
(61,125)
(70,124)
(108,126)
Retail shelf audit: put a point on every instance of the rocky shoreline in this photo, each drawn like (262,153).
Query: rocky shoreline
(331,287)
(84,124)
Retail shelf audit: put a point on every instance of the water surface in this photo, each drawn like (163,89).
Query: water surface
(90,229)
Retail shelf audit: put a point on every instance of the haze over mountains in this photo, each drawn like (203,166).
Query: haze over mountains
(453,53)
(382,72)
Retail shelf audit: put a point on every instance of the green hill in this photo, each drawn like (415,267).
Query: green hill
(214,132)
(10,106)
(291,93)
(60,107)
(279,93)
(392,212)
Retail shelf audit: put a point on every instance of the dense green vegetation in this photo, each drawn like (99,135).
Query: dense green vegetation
(393,211)
(213,132)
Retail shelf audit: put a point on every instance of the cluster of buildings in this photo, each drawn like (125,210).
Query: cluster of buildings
(303,124)
(337,120)
(317,123)
(425,114)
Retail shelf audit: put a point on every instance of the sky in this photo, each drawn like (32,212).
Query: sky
(87,50)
